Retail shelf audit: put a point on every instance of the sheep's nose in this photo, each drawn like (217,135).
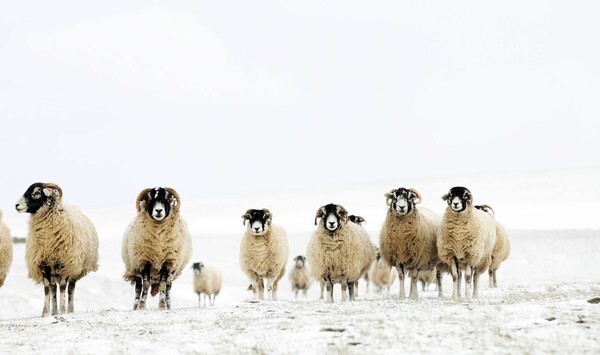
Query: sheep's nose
(331,223)
(256,229)
(455,204)
(158,210)
(401,208)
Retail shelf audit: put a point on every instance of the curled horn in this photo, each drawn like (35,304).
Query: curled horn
(268,214)
(246,216)
(389,197)
(487,208)
(343,213)
(52,185)
(140,198)
(176,195)
(319,214)
(418,195)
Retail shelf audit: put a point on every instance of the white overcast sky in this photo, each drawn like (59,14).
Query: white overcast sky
(216,97)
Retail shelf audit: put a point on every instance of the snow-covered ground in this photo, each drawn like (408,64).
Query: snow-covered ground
(541,305)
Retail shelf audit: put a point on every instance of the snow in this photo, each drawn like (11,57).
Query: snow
(541,305)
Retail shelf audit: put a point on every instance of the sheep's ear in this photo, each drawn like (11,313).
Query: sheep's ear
(52,190)
(415,196)
(445,197)
(343,213)
(320,213)
(246,217)
(389,197)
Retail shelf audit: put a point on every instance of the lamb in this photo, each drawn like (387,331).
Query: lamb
(382,275)
(61,247)
(300,276)
(339,252)
(408,238)
(466,240)
(6,250)
(501,250)
(156,246)
(263,252)
(207,282)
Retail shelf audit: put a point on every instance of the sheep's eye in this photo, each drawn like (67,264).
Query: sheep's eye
(36,195)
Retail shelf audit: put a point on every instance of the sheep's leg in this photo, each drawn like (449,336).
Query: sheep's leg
(455,280)
(145,286)
(355,289)
(438,280)
(162,288)
(422,285)
(329,291)
(400,269)
(168,294)
(352,288)
(261,288)
(276,283)
(270,281)
(344,285)
(491,278)
(138,292)
(47,291)
(414,277)
(296,293)
(304,292)
(54,288)
(71,293)
(63,289)
(495,281)
(322,289)
(468,280)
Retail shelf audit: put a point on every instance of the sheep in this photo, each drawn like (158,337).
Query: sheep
(339,252)
(300,276)
(408,238)
(156,246)
(501,250)
(381,274)
(466,240)
(61,247)
(207,281)
(6,250)
(263,252)
(361,221)
(427,278)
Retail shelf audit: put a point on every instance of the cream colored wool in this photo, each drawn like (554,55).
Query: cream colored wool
(208,282)
(467,237)
(6,250)
(382,275)
(344,255)
(300,279)
(157,243)
(264,256)
(500,253)
(61,235)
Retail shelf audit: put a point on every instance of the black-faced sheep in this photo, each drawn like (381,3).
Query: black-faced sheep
(207,282)
(501,250)
(62,244)
(156,246)
(466,240)
(263,252)
(300,276)
(339,252)
(408,237)
(6,250)
(382,275)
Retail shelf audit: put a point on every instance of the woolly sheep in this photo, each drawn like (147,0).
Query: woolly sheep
(359,221)
(501,250)
(156,246)
(61,247)
(408,237)
(426,278)
(263,252)
(382,275)
(300,276)
(338,252)
(466,240)
(207,282)
(6,250)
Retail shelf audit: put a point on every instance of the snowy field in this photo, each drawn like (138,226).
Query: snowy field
(541,305)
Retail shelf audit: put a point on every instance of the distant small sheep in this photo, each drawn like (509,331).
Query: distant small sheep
(207,282)
(300,276)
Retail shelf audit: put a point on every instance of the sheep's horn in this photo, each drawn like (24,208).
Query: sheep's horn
(54,186)
(140,197)
(416,194)
(174,193)
(488,207)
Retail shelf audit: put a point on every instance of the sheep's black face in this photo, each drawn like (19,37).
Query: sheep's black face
(458,198)
(401,201)
(333,216)
(159,203)
(485,208)
(259,221)
(300,260)
(356,219)
(197,267)
(36,196)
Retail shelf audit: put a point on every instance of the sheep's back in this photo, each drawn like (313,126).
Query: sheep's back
(501,248)
(6,251)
